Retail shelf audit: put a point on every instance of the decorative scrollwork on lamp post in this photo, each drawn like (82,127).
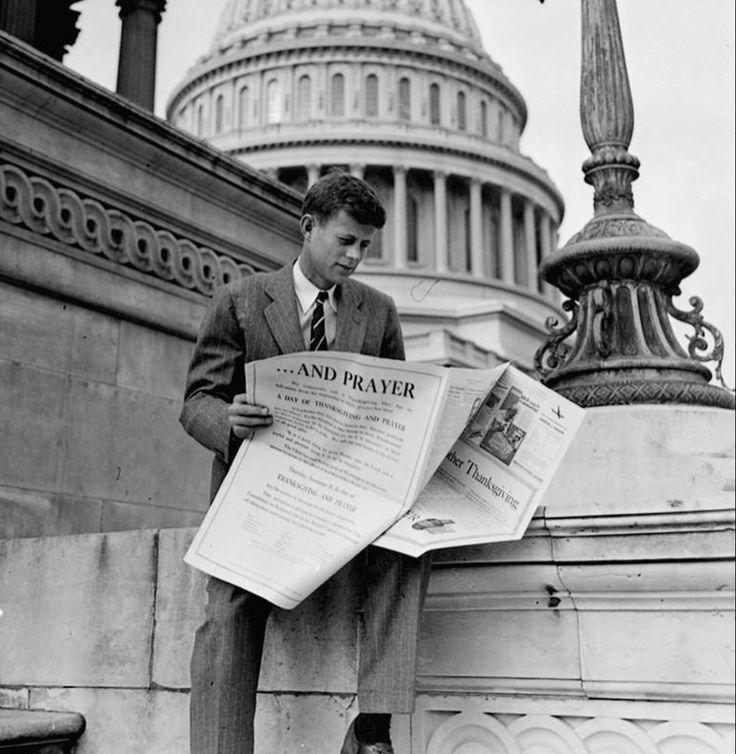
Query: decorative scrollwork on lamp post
(620,273)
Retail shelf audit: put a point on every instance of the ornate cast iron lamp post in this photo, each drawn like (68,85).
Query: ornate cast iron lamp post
(620,273)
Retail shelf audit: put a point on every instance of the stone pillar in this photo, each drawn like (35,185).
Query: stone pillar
(440,221)
(400,216)
(137,62)
(530,245)
(476,228)
(507,238)
(49,27)
(545,237)
(209,125)
(18,17)
(234,108)
(312,175)
(358,170)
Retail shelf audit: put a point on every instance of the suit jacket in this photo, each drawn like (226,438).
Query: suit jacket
(256,318)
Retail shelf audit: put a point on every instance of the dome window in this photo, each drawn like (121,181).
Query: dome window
(462,121)
(434,104)
(337,96)
(371,96)
(304,98)
(404,99)
(484,119)
(273,102)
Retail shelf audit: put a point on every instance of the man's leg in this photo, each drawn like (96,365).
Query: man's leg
(225,666)
(394,587)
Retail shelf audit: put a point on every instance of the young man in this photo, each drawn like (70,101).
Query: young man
(311,304)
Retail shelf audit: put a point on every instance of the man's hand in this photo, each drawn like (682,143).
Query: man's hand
(246,417)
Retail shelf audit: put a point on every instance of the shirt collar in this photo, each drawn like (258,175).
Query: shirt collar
(306,291)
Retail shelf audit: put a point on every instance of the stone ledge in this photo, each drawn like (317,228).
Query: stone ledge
(26,728)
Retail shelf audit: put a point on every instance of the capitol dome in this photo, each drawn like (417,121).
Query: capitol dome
(445,20)
(403,94)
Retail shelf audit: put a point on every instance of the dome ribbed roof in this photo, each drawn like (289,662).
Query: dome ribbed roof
(242,19)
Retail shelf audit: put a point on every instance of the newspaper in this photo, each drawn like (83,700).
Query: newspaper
(364,450)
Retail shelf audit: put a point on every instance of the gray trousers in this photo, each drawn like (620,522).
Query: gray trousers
(228,646)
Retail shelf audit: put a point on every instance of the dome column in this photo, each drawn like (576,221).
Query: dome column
(530,245)
(312,175)
(476,228)
(507,237)
(400,215)
(440,221)
(137,61)
(545,238)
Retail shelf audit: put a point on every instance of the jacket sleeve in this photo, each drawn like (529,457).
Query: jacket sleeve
(215,376)
(392,345)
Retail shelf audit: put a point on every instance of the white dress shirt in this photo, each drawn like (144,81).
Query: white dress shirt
(306,297)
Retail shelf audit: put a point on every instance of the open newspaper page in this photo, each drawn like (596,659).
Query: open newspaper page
(343,460)
(491,481)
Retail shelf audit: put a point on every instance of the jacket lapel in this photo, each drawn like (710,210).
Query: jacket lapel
(351,321)
(281,314)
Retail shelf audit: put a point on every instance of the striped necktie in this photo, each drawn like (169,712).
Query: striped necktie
(317,337)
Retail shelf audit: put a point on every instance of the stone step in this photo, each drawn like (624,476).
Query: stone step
(39,732)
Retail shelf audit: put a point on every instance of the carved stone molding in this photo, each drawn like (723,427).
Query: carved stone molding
(84,223)
(648,391)
(485,733)
(617,225)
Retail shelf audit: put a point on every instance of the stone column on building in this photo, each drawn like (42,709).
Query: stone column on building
(322,88)
(18,17)
(440,221)
(507,237)
(288,95)
(357,169)
(210,120)
(49,27)
(530,245)
(400,216)
(137,61)
(476,228)
(234,107)
(312,175)
(545,238)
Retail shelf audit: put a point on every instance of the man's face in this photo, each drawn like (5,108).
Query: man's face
(333,250)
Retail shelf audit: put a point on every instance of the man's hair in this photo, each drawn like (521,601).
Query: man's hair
(340,190)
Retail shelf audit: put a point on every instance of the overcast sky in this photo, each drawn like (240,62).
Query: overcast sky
(680,58)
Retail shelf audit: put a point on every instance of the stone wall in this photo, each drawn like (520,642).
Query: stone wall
(602,630)
(114,230)
(103,625)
